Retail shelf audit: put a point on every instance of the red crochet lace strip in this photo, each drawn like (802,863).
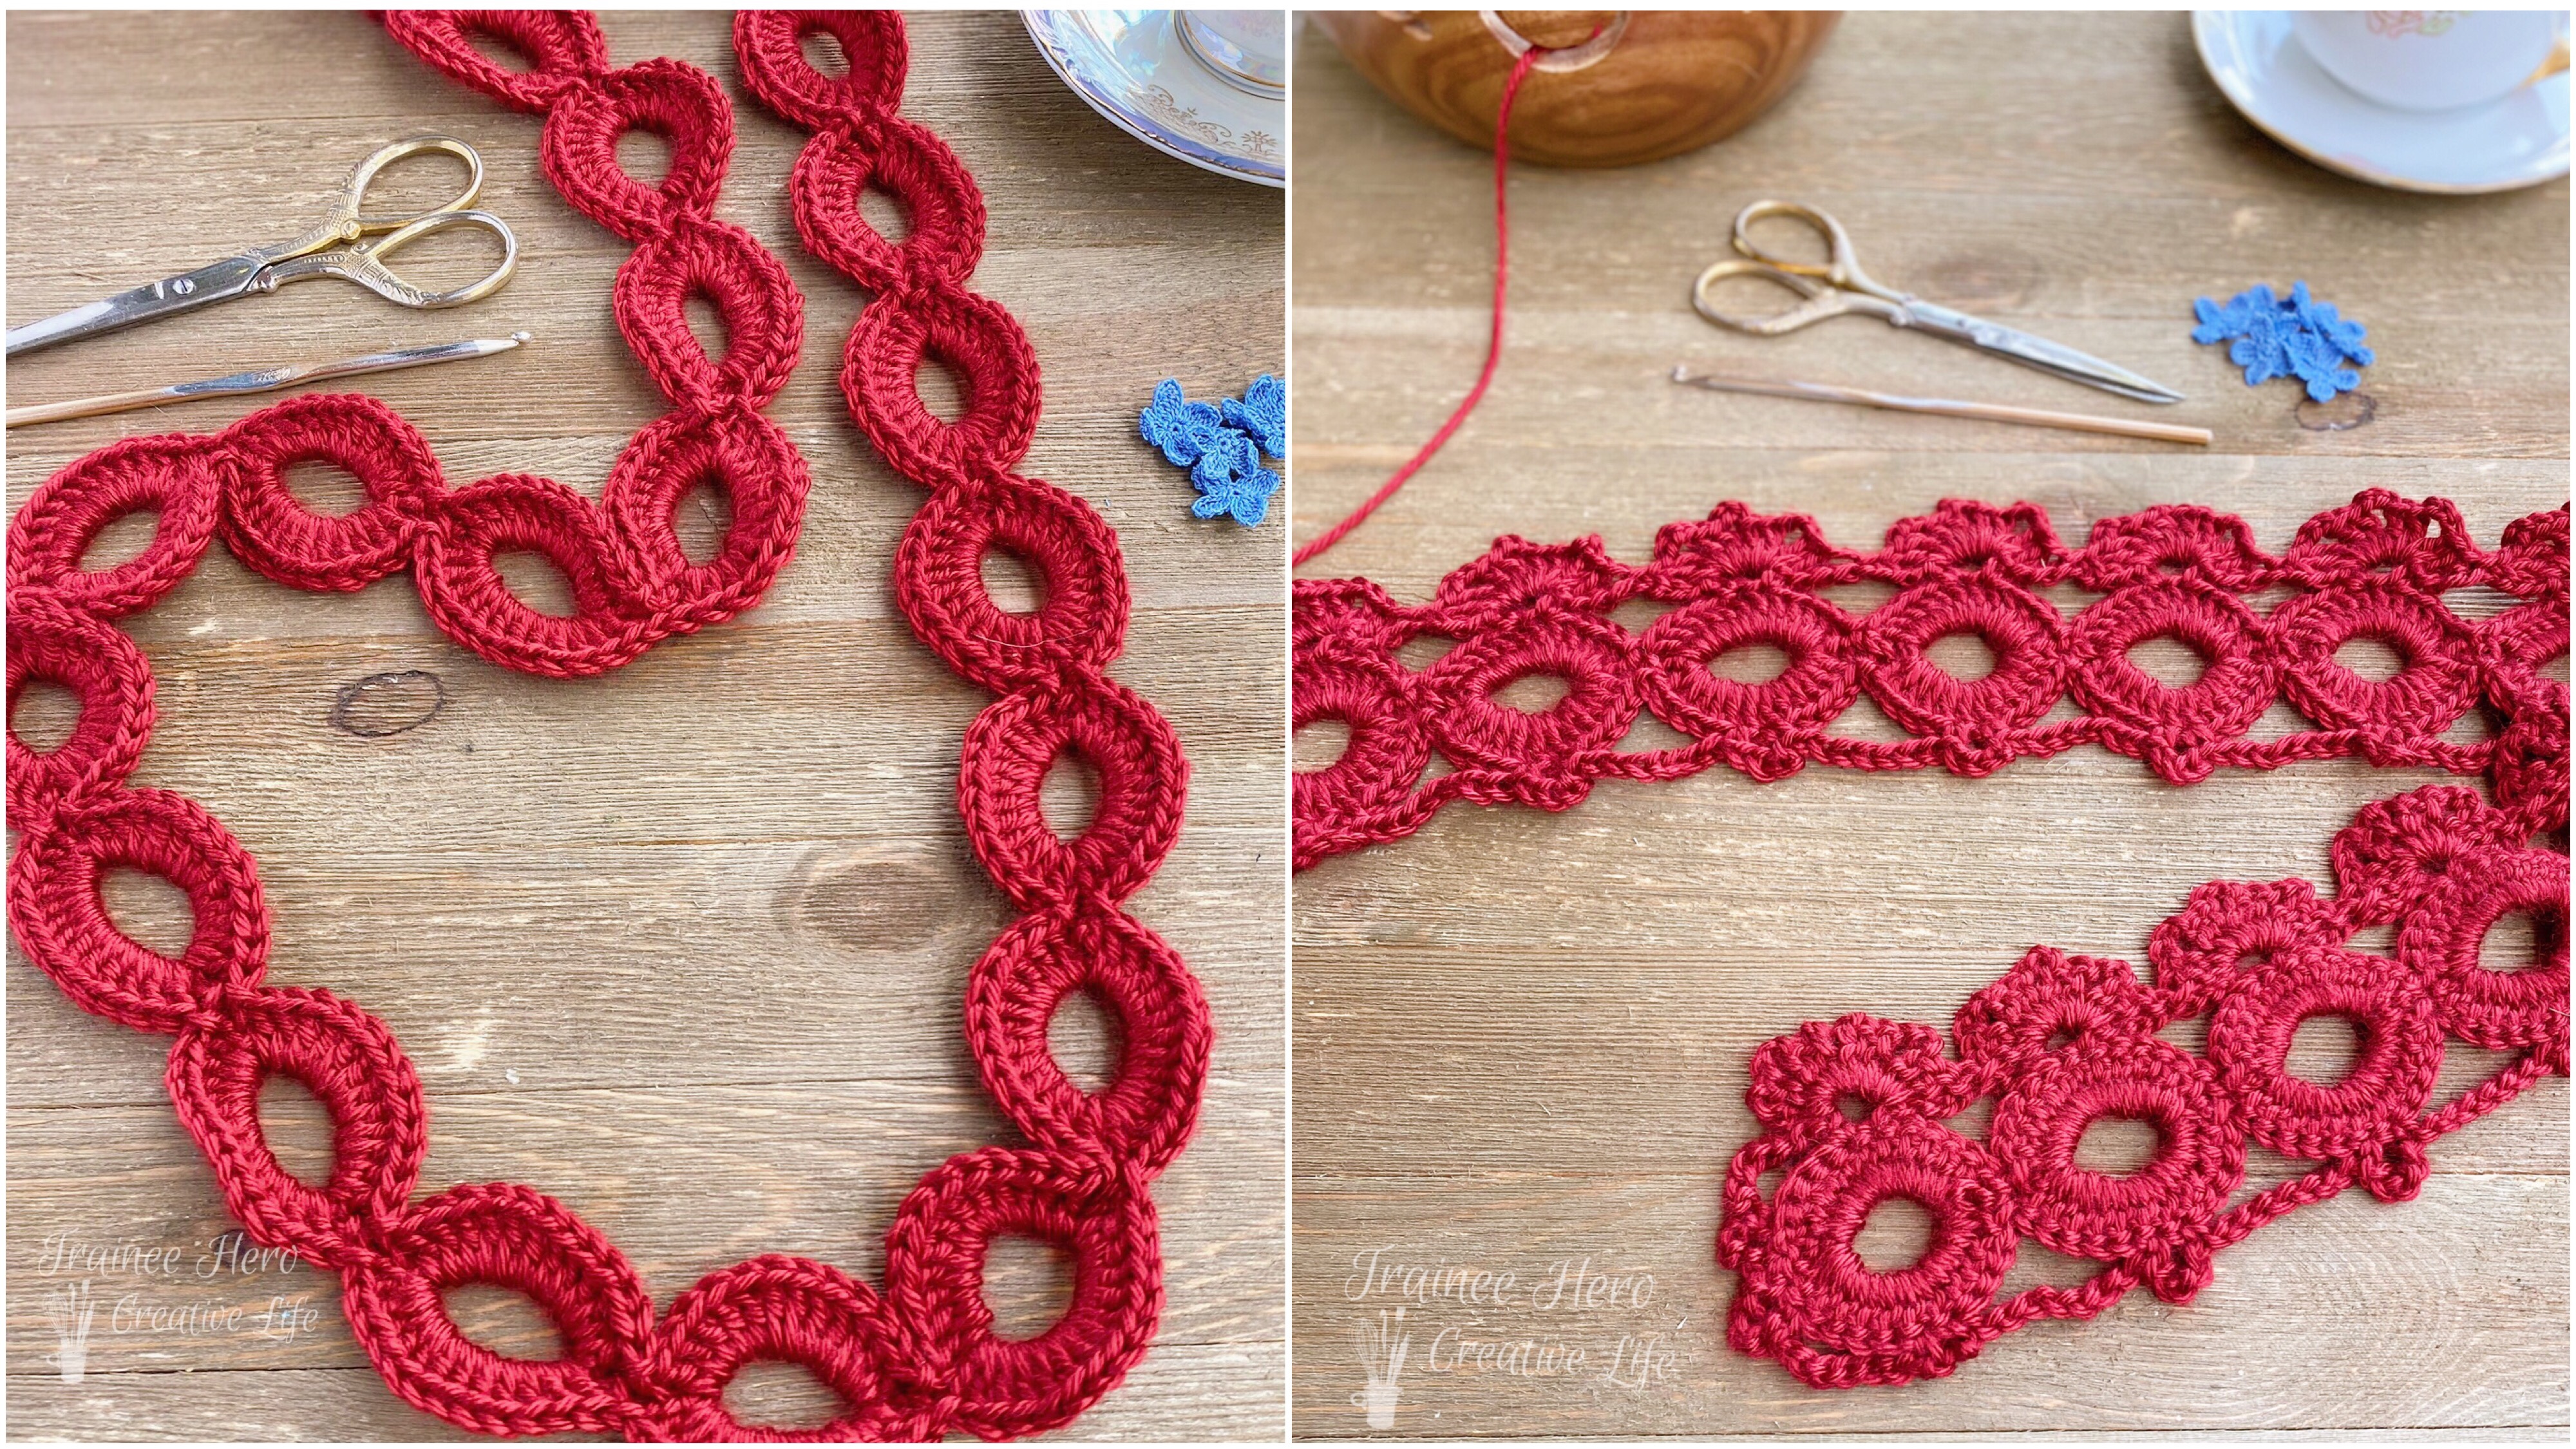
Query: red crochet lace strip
(2375,569)
(1857,1111)
(1854,1111)
(921,1358)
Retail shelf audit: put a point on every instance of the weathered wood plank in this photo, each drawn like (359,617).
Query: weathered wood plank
(871,935)
(1232,1391)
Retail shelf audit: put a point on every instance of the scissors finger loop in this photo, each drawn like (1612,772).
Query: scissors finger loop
(353,200)
(1841,266)
(364,264)
(1821,300)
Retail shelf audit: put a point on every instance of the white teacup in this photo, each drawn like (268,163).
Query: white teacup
(2430,60)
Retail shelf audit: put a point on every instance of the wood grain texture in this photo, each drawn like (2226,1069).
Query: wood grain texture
(1671,81)
(684,946)
(1521,1038)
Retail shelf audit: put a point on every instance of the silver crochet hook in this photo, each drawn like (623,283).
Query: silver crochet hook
(244,384)
(1942,407)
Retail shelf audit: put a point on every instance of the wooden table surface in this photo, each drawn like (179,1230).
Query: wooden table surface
(684,946)
(1521,1038)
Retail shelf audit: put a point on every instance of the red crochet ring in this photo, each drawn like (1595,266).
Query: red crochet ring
(1857,1111)
(922,1359)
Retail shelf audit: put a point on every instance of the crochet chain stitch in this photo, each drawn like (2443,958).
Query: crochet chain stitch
(919,1358)
(1856,1111)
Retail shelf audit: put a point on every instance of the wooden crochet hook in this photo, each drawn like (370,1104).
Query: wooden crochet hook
(1945,407)
(241,384)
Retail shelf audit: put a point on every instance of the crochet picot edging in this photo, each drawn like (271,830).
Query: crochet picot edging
(919,1358)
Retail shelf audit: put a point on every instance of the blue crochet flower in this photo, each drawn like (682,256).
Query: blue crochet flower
(2295,336)
(1263,413)
(1222,446)
(1183,430)
(1246,496)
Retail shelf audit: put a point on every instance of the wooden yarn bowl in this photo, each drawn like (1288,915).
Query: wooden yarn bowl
(1673,82)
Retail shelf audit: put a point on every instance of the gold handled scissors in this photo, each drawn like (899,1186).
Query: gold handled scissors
(1838,286)
(336,247)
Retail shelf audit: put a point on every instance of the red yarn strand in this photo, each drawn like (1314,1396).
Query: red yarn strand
(1493,342)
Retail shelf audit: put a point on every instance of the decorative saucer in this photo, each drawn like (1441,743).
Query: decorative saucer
(2520,140)
(1140,69)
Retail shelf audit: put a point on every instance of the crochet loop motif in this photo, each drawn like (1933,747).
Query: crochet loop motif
(1856,1111)
(920,1357)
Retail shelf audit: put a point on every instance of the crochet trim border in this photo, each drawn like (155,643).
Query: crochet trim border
(1855,1111)
(2375,568)
(919,1358)
(1858,1110)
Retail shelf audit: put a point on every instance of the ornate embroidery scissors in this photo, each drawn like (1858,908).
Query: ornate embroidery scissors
(336,247)
(1839,286)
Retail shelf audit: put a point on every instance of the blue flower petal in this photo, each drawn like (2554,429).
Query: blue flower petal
(1263,413)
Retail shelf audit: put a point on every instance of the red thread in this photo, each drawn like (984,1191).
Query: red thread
(1856,1111)
(1494,343)
(921,1359)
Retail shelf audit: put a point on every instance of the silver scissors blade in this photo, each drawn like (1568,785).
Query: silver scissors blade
(2050,357)
(230,277)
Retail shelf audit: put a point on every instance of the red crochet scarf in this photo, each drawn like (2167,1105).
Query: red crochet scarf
(1856,1111)
(919,1358)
